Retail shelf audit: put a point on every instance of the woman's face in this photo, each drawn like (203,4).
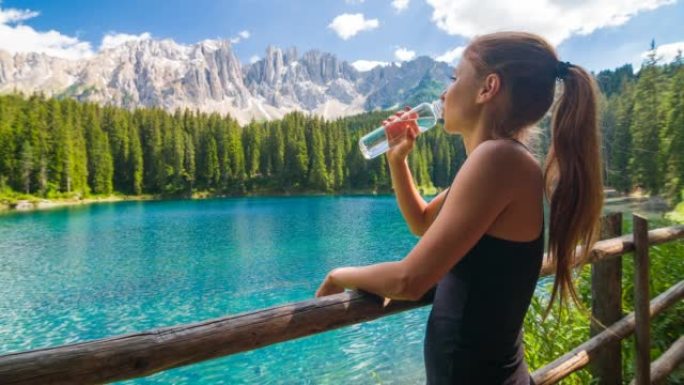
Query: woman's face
(459,99)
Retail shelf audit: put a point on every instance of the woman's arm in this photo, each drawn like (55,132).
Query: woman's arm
(386,279)
(480,192)
(418,214)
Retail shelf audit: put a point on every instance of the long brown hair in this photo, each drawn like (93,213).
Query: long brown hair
(529,69)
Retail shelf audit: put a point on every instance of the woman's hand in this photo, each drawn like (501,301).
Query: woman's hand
(402,131)
(328,287)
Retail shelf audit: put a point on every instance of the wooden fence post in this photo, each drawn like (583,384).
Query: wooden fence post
(606,306)
(667,362)
(641,300)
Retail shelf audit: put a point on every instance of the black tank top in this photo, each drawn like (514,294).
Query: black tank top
(474,331)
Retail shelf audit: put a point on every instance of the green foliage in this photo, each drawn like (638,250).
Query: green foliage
(643,128)
(564,331)
(672,137)
(677,215)
(612,82)
(618,146)
(643,164)
(665,270)
(58,146)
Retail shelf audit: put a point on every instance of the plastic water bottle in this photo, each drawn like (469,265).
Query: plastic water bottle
(377,142)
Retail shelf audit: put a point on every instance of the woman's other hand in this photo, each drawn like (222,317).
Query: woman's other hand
(402,131)
(328,287)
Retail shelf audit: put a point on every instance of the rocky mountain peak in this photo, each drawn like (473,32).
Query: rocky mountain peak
(208,76)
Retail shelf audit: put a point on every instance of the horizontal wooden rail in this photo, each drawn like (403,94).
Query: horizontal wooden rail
(144,353)
(581,355)
(667,362)
(140,354)
(614,247)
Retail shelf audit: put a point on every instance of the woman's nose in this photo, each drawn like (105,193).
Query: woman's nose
(443,95)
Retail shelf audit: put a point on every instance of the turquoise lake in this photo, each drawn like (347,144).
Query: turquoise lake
(88,272)
(81,273)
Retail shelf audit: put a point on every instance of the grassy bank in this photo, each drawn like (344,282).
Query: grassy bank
(677,215)
(14,201)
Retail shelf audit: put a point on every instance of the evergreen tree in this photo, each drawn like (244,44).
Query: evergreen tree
(58,148)
(211,172)
(9,112)
(115,124)
(673,146)
(236,156)
(618,174)
(644,129)
(252,143)
(100,167)
(318,174)
(188,174)
(78,174)
(135,162)
(26,166)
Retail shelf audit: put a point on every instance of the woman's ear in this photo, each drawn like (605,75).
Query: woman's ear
(490,88)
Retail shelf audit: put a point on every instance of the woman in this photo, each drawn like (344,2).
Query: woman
(481,256)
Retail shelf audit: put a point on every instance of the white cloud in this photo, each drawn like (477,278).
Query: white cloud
(254,59)
(367,65)
(347,25)
(400,5)
(403,54)
(451,55)
(241,36)
(668,52)
(555,20)
(12,15)
(112,39)
(665,54)
(16,37)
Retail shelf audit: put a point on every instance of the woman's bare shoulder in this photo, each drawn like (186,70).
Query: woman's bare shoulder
(521,178)
(518,168)
(504,153)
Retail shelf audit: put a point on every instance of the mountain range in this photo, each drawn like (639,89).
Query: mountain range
(208,76)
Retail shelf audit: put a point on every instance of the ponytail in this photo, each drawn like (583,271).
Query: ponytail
(573,179)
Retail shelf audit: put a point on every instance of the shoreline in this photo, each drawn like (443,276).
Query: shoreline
(40,204)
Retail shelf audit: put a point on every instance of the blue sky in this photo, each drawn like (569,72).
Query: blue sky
(598,34)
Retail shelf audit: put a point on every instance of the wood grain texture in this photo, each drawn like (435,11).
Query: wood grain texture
(667,362)
(641,297)
(606,306)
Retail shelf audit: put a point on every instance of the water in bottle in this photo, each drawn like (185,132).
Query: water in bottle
(376,142)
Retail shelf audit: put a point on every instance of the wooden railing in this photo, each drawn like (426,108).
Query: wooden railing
(140,354)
